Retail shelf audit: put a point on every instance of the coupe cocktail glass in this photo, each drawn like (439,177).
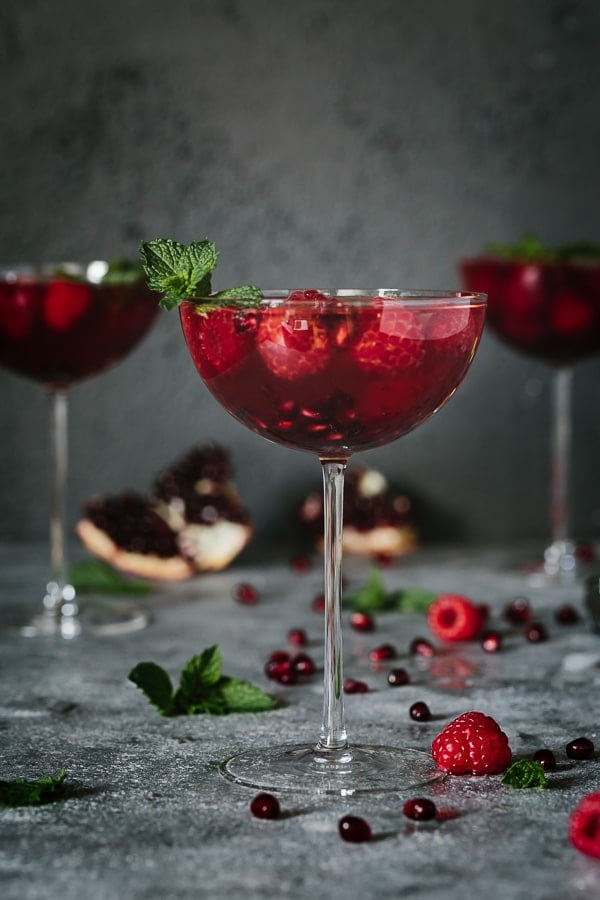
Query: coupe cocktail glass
(59,329)
(334,372)
(550,311)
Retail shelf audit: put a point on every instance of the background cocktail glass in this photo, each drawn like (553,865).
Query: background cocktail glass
(58,325)
(332,373)
(550,311)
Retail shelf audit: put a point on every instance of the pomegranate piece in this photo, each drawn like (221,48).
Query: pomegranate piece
(354,829)
(352,686)
(567,615)
(453,617)
(362,621)
(297,637)
(546,759)
(491,642)
(580,748)
(265,806)
(398,677)
(420,712)
(420,809)
(421,647)
(303,664)
(518,611)
(535,633)
(245,594)
(300,564)
(318,603)
(383,652)
(473,743)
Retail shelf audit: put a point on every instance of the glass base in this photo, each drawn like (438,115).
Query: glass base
(359,769)
(97,617)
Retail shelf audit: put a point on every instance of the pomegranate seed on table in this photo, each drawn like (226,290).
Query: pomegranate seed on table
(567,615)
(281,671)
(546,759)
(518,611)
(303,664)
(318,604)
(297,637)
(352,686)
(398,677)
(580,748)
(245,594)
(421,647)
(420,712)
(491,642)
(300,563)
(535,633)
(383,652)
(265,806)
(362,621)
(354,829)
(421,809)
(278,656)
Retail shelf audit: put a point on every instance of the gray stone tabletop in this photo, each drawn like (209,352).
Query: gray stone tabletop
(147,814)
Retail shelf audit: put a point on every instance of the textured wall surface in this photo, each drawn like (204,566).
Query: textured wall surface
(337,142)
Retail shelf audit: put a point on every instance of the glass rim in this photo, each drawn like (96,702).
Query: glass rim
(408,296)
(91,271)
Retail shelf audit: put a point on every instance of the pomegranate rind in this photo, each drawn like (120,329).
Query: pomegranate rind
(142,565)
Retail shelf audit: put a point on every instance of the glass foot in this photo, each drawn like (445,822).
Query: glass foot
(97,617)
(360,769)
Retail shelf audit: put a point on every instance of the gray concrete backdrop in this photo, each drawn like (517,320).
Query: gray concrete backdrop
(340,142)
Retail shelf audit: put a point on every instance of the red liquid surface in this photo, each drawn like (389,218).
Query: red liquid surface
(59,331)
(334,376)
(548,310)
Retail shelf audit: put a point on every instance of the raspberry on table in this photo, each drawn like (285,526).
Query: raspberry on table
(584,825)
(453,617)
(473,743)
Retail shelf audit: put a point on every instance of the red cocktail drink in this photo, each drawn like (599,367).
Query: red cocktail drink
(334,374)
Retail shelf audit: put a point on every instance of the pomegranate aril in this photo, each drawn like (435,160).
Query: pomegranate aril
(352,686)
(518,611)
(300,564)
(297,637)
(354,829)
(265,806)
(546,759)
(283,671)
(580,748)
(245,594)
(384,559)
(362,621)
(278,656)
(567,615)
(421,647)
(398,677)
(420,712)
(535,633)
(383,652)
(421,809)
(318,603)
(491,642)
(303,664)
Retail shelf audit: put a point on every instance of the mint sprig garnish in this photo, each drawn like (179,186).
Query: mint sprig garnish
(21,792)
(374,597)
(184,272)
(202,688)
(525,774)
(529,249)
(122,271)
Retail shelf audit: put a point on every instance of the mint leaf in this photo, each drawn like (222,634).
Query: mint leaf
(122,271)
(373,596)
(583,250)
(525,774)
(243,292)
(202,688)
(156,684)
(243,697)
(528,250)
(177,270)
(414,600)
(20,792)
(93,575)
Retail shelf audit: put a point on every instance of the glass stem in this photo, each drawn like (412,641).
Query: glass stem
(333,732)
(561,454)
(59,454)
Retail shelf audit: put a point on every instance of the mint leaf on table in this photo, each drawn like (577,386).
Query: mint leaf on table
(92,575)
(21,792)
(414,600)
(373,597)
(525,774)
(202,688)
(183,272)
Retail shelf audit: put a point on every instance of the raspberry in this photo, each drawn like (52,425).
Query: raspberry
(584,826)
(472,743)
(65,303)
(453,617)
